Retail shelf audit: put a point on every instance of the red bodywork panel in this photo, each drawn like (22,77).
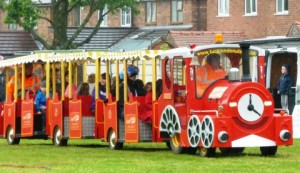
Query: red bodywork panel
(56,116)
(27,118)
(131,121)
(99,119)
(75,119)
(110,119)
(1,117)
(9,116)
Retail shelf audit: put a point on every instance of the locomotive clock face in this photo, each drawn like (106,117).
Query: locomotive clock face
(250,107)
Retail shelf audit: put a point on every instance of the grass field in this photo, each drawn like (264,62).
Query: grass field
(95,156)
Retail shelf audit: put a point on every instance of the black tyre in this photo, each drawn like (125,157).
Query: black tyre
(11,140)
(175,144)
(191,150)
(168,144)
(57,138)
(112,141)
(226,151)
(268,151)
(207,152)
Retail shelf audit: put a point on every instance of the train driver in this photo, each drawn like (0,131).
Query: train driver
(32,81)
(209,72)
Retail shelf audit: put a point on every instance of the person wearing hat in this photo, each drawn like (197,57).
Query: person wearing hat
(135,86)
(40,104)
(285,82)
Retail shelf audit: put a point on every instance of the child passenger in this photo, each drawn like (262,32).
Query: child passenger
(146,116)
(83,89)
(101,93)
(40,104)
(74,87)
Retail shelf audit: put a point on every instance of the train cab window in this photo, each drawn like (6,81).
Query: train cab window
(178,71)
(168,74)
(210,69)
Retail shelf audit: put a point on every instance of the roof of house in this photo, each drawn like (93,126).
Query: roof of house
(145,37)
(16,41)
(184,38)
(294,30)
(104,38)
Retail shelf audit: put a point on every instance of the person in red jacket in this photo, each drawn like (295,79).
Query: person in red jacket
(146,116)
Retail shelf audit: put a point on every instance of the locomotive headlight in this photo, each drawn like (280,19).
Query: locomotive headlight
(250,107)
(223,136)
(285,135)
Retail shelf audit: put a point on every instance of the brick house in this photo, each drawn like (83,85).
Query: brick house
(254,18)
(257,18)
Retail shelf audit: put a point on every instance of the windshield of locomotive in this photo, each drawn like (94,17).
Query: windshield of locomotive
(214,64)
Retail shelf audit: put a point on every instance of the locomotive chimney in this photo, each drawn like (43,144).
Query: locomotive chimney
(245,60)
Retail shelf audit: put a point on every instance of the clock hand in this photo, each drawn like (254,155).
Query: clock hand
(251,108)
(250,99)
(256,112)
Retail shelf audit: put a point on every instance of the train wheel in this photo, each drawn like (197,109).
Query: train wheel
(268,151)
(112,141)
(11,140)
(207,152)
(175,144)
(193,131)
(237,150)
(168,144)
(57,138)
(192,150)
(207,132)
(169,121)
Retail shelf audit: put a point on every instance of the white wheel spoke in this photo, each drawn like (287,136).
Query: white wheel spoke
(169,122)
(194,134)
(207,132)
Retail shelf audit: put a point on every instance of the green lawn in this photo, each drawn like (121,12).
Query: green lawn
(95,156)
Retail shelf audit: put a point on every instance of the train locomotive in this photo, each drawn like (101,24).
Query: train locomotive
(230,114)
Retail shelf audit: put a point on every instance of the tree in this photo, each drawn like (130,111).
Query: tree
(27,14)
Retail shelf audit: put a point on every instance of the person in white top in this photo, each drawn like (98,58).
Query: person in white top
(91,82)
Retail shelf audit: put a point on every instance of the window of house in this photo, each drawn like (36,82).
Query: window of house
(126,17)
(250,7)
(12,26)
(151,12)
(104,21)
(77,16)
(223,7)
(282,6)
(177,11)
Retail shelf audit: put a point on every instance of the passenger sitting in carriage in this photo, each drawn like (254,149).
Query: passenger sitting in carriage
(146,115)
(101,93)
(136,87)
(32,81)
(83,89)
(74,87)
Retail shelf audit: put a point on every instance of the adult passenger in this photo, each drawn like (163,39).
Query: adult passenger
(32,81)
(209,73)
